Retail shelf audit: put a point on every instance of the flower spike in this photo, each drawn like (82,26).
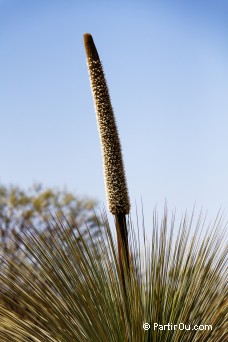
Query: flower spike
(115,181)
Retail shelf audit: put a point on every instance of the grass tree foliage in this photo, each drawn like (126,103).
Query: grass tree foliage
(34,205)
(102,290)
(75,293)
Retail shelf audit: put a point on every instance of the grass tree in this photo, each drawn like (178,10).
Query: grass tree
(171,290)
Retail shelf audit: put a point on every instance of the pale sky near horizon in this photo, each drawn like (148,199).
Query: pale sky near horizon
(167,71)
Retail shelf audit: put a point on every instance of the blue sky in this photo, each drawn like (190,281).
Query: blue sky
(167,71)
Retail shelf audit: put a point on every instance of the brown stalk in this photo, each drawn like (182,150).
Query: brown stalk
(115,181)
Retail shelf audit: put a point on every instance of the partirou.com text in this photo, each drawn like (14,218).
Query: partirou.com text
(179,326)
